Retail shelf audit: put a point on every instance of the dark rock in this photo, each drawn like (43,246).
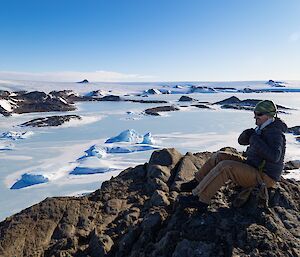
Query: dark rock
(152,91)
(147,101)
(84,81)
(34,95)
(225,88)
(111,98)
(292,165)
(186,170)
(155,111)
(161,172)
(230,100)
(273,83)
(100,245)
(51,121)
(95,93)
(159,198)
(39,102)
(124,218)
(68,95)
(248,104)
(4,112)
(186,99)
(295,130)
(166,157)
(201,106)
(201,89)
(4,94)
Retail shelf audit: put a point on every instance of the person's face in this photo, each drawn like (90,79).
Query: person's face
(260,118)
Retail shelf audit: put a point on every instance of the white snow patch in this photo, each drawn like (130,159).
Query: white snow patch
(6,105)
(4,146)
(295,174)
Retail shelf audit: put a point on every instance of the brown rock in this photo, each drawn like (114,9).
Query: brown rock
(165,157)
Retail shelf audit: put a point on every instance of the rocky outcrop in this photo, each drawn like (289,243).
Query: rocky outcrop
(85,81)
(134,215)
(186,99)
(35,101)
(292,165)
(273,83)
(295,130)
(235,103)
(201,106)
(147,101)
(111,98)
(51,121)
(156,110)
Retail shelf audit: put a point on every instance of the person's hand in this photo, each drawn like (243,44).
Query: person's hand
(249,132)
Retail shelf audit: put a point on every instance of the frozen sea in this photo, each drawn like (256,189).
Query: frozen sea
(55,152)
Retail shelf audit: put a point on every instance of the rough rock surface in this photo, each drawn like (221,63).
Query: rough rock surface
(201,106)
(133,215)
(155,110)
(186,99)
(35,101)
(295,130)
(51,121)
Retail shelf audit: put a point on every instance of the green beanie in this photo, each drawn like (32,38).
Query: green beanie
(267,107)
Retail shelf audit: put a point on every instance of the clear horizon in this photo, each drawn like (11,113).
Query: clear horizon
(150,41)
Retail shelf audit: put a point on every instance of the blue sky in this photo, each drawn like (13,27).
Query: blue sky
(153,40)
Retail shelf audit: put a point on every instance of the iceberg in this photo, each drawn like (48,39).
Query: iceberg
(129,135)
(15,135)
(148,139)
(129,149)
(101,152)
(28,180)
(88,171)
(94,150)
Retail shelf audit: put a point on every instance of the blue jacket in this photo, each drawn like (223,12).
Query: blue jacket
(270,146)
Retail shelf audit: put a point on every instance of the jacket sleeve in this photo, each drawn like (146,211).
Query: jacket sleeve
(270,152)
(245,136)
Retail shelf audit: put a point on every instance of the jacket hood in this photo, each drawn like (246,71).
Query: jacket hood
(278,124)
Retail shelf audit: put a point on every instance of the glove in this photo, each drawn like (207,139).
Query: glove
(249,132)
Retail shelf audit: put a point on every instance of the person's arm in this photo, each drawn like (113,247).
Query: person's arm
(270,152)
(245,136)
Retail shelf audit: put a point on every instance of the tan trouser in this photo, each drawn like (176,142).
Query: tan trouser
(220,168)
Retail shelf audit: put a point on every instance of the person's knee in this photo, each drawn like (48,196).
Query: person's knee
(223,165)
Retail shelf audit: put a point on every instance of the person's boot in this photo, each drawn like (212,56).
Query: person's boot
(191,201)
(189,186)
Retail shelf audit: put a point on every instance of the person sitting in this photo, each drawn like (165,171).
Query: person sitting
(266,151)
